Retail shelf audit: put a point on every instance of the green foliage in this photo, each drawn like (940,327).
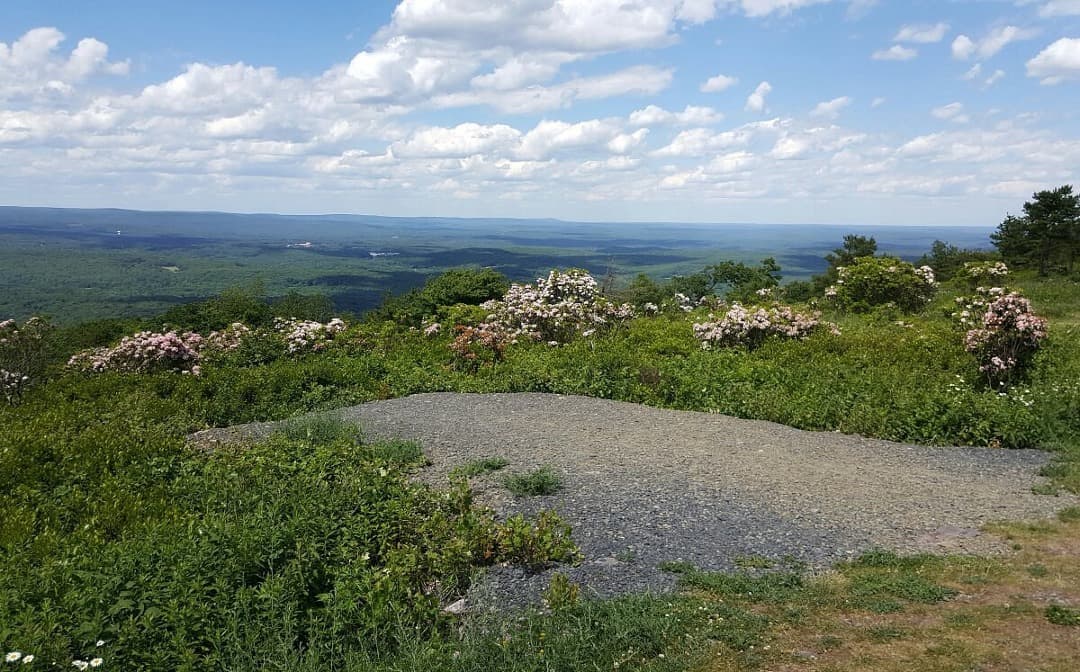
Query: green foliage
(542,481)
(854,247)
(535,543)
(739,281)
(561,592)
(1047,236)
(317,307)
(455,286)
(869,282)
(238,304)
(310,543)
(948,260)
(642,290)
(1059,615)
(24,356)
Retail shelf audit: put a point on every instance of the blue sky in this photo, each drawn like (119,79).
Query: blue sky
(808,111)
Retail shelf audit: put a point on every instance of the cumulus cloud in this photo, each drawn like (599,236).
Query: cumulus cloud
(692,115)
(1056,63)
(896,52)
(963,47)
(718,83)
(756,100)
(32,65)
(830,109)
(922,33)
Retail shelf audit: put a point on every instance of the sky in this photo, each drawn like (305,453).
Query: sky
(928,112)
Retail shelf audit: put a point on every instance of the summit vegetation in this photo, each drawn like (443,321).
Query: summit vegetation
(123,544)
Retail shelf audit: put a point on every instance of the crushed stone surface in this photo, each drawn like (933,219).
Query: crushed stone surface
(644,486)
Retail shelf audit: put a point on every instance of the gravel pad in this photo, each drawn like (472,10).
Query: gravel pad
(642,486)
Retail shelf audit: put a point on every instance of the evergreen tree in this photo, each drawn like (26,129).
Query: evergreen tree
(1047,234)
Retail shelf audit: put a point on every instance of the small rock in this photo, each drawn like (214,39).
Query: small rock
(457,608)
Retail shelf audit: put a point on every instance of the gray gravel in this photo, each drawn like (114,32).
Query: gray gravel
(644,485)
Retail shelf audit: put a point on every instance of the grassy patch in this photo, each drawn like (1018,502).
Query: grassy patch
(542,481)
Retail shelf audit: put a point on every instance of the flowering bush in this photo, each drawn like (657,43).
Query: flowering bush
(23,355)
(301,335)
(988,272)
(1004,332)
(229,339)
(475,346)
(751,326)
(144,352)
(558,309)
(877,281)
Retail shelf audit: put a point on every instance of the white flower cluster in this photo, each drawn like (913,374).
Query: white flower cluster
(927,274)
(302,335)
(557,309)
(228,339)
(751,326)
(143,352)
(12,384)
(985,270)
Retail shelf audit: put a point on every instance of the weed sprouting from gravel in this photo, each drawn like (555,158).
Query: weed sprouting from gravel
(479,467)
(539,482)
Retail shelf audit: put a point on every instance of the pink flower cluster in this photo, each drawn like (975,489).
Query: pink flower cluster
(1008,334)
(558,309)
(751,326)
(302,335)
(144,352)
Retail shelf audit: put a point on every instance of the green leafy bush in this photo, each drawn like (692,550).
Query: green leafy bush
(876,281)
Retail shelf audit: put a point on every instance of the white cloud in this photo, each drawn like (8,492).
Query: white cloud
(691,115)
(1056,63)
(963,47)
(636,80)
(756,101)
(895,53)
(974,73)
(549,137)
(878,102)
(758,8)
(718,83)
(996,77)
(830,109)
(922,33)
(460,141)
(952,112)
(30,66)
(790,147)
(624,142)
(1060,8)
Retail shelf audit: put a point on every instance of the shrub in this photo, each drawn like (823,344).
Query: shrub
(876,281)
(560,308)
(144,352)
(23,356)
(473,347)
(750,327)
(1006,333)
(305,335)
(978,273)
